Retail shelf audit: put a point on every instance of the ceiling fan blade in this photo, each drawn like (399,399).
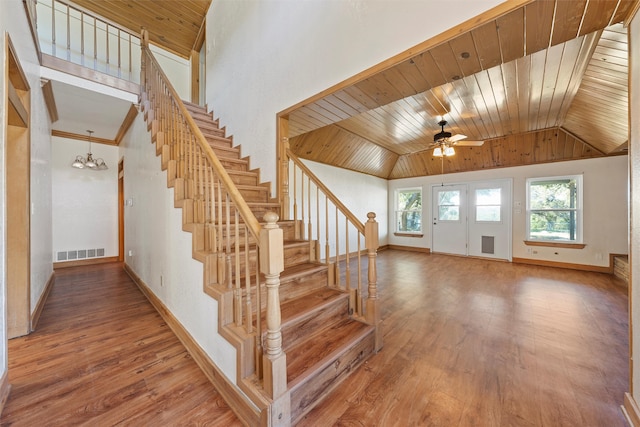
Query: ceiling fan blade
(469,143)
(457,137)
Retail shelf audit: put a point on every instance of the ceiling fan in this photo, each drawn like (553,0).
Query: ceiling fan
(443,142)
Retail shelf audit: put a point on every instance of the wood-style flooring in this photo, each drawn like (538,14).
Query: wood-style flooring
(467,342)
(103,356)
(477,343)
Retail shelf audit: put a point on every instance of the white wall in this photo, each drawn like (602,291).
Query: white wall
(161,251)
(14,22)
(605,207)
(177,69)
(84,202)
(265,56)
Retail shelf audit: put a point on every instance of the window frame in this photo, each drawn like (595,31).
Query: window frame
(398,211)
(578,209)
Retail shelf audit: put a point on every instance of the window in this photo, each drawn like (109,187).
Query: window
(409,210)
(554,209)
(489,205)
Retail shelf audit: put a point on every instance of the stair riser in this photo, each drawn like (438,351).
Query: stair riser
(225,152)
(310,393)
(236,165)
(299,286)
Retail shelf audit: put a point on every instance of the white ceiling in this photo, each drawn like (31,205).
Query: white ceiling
(81,109)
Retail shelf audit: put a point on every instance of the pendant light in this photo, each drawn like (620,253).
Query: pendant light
(89,163)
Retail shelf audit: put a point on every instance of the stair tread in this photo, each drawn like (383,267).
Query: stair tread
(300,269)
(295,309)
(321,349)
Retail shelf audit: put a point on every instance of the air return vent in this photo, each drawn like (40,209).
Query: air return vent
(488,244)
(79,254)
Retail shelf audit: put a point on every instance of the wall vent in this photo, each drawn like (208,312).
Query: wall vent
(488,244)
(79,254)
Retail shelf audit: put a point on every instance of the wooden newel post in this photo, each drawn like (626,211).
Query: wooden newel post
(274,359)
(372,244)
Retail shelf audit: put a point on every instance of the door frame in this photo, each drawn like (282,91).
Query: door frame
(17,195)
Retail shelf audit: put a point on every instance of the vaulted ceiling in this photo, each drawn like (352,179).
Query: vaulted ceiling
(177,26)
(544,82)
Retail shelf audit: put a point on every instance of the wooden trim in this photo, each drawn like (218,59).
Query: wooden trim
(81,262)
(18,115)
(70,135)
(50,101)
(555,244)
(89,74)
(35,316)
(470,24)
(201,37)
(409,235)
(121,210)
(194,61)
(126,124)
(408,248)
(632,13)
(16,73)
(571,266)
(241,406)
(631,411)
(5,389)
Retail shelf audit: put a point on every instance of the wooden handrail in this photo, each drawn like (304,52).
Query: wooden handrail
(249,218)
(316,181)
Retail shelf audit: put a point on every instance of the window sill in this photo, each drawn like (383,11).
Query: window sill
(555,244)
(408,235)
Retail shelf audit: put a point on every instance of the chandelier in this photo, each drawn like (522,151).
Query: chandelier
(89,163)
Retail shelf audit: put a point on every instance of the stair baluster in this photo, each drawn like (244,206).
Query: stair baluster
(354,232)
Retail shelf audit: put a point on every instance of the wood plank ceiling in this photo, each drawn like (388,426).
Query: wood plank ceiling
(177,26)
(544,82)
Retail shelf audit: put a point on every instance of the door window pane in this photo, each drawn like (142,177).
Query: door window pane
(449,205)
(489,204)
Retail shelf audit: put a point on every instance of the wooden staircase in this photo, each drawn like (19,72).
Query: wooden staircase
(322,340)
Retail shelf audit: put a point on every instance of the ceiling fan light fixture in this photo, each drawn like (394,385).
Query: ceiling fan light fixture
(449,151)
(437,152)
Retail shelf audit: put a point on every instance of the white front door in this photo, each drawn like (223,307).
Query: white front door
(490,219)
(449,219)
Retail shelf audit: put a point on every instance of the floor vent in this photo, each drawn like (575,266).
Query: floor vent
(79,254)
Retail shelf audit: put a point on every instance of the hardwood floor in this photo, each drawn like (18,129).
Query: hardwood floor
(102,356)
(470,342)
(467,342)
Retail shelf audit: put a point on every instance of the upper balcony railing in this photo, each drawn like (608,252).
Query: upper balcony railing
(70,37)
